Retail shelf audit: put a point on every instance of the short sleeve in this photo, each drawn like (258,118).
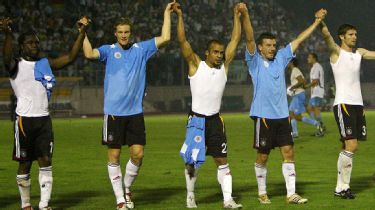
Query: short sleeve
(149,47)
(251,60)
(285,55)
(103,53)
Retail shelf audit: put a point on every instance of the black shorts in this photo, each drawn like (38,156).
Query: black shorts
(271,133)
(351,121)
(216,139)
(124,130)
(33,138)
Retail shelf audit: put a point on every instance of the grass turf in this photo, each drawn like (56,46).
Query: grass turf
(81,181)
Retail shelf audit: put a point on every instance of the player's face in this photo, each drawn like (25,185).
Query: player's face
(122,34)
(268,48)
(350,38)
(30,46)
(215,55)
(310,59)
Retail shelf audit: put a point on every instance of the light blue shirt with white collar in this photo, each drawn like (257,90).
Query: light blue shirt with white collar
(125,76)
(268,76)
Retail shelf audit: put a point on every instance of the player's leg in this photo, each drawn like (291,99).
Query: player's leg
(136,140)
(263,129)
(43,152)
(113,137)
(22,153)
(293,122)
(216,143)
(345,116)
(285,142)
(191,175)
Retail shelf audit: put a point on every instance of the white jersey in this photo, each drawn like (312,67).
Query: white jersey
(346,74)
(31,95)
(293,80)
(317,72)
(207,87)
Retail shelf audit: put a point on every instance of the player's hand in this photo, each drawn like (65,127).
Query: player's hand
(169,7)
(177,9)
(321,14)
(236,10)
(243,8)
(83,23)
(5,25)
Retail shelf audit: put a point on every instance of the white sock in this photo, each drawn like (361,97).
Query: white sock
(225,180)
(190,182)
(290,178)
(45,182)
(346,168)
(339,180)
(261,175)
(131,172)
(24,186)
(114,173)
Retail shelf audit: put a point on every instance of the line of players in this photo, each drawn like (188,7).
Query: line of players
(32,80)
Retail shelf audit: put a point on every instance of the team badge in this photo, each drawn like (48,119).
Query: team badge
(266,64)
(263,142)
(117,55)
(110,137)
(23,154)
(349,131)
(198,139)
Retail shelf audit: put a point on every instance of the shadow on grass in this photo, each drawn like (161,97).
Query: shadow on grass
(361,183)
(71,199)
(156,195)
(9,200)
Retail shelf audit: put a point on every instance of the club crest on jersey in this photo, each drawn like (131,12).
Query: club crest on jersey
(117,55)
(198,139)
(266,64)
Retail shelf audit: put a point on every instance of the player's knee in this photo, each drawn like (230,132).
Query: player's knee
(24,167)
(44,161)
(137,155)
(262,159)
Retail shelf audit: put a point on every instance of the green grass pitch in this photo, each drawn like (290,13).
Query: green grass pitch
(81,181)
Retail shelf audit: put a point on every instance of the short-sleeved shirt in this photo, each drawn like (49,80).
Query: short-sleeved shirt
(293,80)
(317,73)
(125,76)
(268,76)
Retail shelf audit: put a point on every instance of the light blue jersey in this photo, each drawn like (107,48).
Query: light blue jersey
(125,76)
(269,98)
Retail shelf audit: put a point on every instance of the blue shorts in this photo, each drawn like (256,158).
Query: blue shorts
(297,105)
(316,102)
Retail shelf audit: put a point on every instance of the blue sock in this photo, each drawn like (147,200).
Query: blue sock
(294,126)
(309,121)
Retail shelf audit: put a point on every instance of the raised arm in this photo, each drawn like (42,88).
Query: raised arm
(165,36)
(187,52)
(8,60)
(230,51)
(61,61)
(332,46)
(249,33)
(319,16)
(367,54)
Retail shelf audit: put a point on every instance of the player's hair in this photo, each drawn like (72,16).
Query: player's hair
(344,28)
(212,42)
(265,35)
(22,37)
(122,21)
(314,55)
(295,62)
